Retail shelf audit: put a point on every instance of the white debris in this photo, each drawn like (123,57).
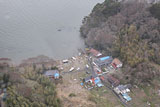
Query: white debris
(159,92)
(87,65)
(78,68)
(71,69)
(127,90)
(148,103)
(61,68)
(65,61)
(73,58)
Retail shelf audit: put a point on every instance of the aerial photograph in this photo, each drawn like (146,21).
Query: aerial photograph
(79,53)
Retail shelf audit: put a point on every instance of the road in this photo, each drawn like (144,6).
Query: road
(91,67)
(116,95)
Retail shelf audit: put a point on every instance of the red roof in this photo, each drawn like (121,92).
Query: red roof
(113,80)
(95,52)
(116,61)
(93,80)
(102,77)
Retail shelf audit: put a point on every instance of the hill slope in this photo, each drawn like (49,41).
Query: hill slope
(128,30)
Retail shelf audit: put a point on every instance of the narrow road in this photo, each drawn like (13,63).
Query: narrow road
(91,66)
(116,95)
(107,86)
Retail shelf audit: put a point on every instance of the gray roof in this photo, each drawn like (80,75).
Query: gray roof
(105,62)
(121,87)
(51,72)
(128,86)
(124,87)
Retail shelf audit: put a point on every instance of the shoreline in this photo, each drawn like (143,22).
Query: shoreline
(39,59)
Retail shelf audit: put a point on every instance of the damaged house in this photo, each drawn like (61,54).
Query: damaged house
(113,81)
(116,63)
(94,81)
(94,53)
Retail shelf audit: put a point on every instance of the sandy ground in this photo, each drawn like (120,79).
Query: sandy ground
(71,84)
(81,98)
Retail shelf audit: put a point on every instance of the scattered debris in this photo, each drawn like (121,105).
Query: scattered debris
(122,89)
(94,52)
(87,65)
(116,63)
(65,61)
(72,68)
(148,103)
(113,81)
(78,69)
(73,58)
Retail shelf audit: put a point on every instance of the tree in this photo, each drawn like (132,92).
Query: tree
(155,10)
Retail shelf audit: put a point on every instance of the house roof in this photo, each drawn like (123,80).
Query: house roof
(126,97)
(52,73)
(105,58)
(95,52)
(116,61)
(97,80)
(128,86)
(121,87)
(100,85)
(90,77)
(113,80)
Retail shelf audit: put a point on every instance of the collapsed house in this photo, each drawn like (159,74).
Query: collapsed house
(97,70)
(94,53)
(122,89)
(93,81)
(113,81)
(116,63)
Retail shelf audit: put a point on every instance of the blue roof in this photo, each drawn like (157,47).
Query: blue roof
(125,96)
(104,58)
(99,84)
(56,75)
(97,81)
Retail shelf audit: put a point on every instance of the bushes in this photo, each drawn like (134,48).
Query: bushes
(6,78)
(155,10)
(111,8)
(128,31)
(41,94)
(72,95)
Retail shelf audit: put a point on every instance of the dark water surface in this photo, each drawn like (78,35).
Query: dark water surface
(50,27)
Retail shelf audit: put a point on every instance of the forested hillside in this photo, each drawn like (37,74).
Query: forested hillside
(27,87)
(130,31)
